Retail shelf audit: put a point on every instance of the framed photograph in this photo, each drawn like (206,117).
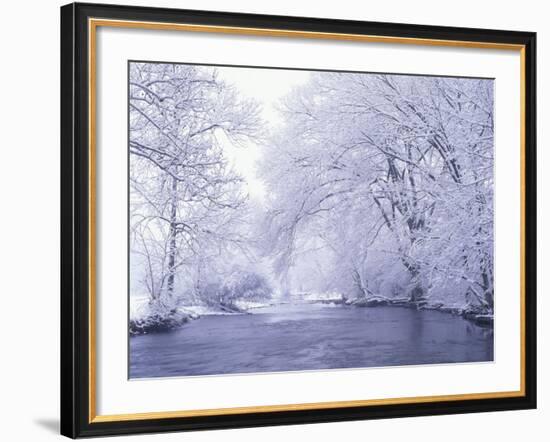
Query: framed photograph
(275,220)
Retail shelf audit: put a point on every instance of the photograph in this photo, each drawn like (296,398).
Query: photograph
(276,219)
(284,220)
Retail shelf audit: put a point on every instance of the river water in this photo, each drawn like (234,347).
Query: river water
(310,337)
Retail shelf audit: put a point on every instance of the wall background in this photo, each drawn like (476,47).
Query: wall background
(29,218)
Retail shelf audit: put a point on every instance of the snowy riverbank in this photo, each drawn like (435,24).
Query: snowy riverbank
(144,321)
(476,315)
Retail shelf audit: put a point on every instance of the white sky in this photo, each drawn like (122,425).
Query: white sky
(266,86)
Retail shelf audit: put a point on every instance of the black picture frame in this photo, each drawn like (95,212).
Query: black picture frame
(75,221)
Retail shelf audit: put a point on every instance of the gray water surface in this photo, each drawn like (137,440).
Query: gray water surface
(309,337)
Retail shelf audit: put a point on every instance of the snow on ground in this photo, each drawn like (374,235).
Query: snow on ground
(249,305)
(139,308)
(201,310)
(317,296)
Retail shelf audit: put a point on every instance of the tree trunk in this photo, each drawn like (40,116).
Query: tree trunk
(172,247)
(416,294)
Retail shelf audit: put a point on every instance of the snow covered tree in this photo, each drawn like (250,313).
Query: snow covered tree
(187,204)
(392,165)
